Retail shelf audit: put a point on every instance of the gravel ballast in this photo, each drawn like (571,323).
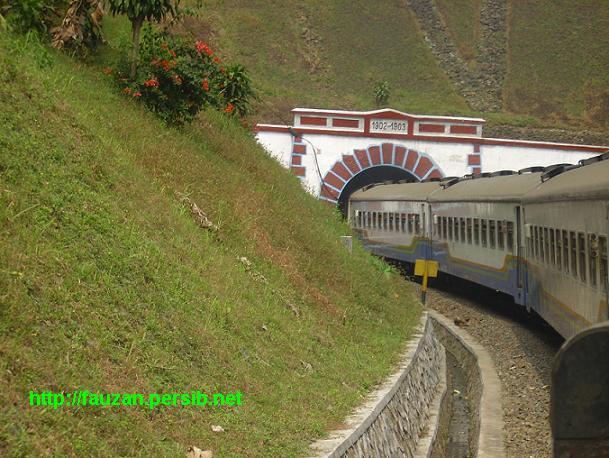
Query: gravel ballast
(522,347)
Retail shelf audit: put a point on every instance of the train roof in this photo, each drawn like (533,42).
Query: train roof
(587,181)
(506,188)
(398,191)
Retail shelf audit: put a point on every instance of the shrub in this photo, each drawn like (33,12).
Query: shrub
(177,78)
(381,93)
(27,15)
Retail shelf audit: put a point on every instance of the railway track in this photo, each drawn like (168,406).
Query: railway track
(522,347)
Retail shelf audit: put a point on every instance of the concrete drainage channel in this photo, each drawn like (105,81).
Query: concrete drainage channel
(444,401)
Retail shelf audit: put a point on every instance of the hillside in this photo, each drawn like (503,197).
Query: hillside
(109,284)
(330,54)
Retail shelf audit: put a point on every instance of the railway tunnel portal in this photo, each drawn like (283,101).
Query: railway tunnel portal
(333,152)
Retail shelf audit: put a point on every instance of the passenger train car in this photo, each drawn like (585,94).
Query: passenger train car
(539,234)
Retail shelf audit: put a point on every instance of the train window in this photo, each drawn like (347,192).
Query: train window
(592,257)
(565,251)
(538,247)
(484,231)
(492,228)
(390,221)
(373,220)
(501,235)
(604,266)
(558,249)
(552,244)
(445,228)
(469,231)
(476,231)
(581,251)
(573,253)
(450,228)
(510,236)
(462,224)
(410,223)
(404,222)
(417,226)
(546,246)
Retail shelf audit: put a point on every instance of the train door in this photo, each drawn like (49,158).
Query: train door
(520,272)
(605,263)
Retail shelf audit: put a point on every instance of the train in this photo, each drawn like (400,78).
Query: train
(538,234)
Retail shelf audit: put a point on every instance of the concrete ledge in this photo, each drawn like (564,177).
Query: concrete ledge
(396,419)
(490,413)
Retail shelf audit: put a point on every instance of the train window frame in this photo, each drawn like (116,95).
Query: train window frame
(582,252)
(593,259)
(404,223)
(469,229)
(484,232)
(603,250)
(492,234)
(410,223)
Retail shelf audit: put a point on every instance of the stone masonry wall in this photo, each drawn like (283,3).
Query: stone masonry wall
(398,415)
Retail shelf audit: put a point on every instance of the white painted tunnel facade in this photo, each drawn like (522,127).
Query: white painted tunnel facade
(338,145)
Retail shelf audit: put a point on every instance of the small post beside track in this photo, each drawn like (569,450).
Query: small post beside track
(426,269)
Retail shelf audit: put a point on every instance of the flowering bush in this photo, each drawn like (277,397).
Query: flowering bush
(177,78)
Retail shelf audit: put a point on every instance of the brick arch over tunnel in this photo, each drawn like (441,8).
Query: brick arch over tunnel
(419,165)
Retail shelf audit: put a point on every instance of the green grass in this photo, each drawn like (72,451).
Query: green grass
(329,54)
(108,284)
(557,55)
(462,20)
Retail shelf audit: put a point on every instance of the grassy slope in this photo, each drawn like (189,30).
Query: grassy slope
(107,283)
(330,54)
(555,48)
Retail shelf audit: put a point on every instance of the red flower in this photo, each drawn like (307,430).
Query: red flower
(107,70)
(137,94)
(223,70)
(205,85)
(151,83)
(229,108)
(164,45)
(154,62)
(202,47)
(127,90)
(217,60)
(172,52)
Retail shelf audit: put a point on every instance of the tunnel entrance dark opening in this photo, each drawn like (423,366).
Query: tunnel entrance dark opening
(370,176)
